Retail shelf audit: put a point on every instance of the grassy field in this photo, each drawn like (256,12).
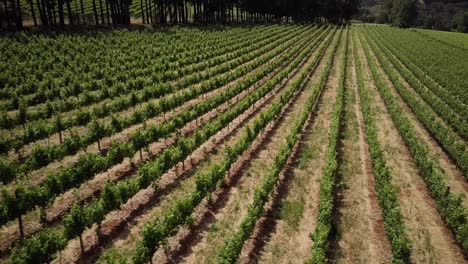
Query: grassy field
(255,144)
(453,39)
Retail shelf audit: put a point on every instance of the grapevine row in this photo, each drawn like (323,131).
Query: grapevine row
(387,195)
(446,95)
(199,58)
(439,106)
(442,64)
(323,228)
(448,139)
(173,51)
(44,128)
(207,182)
(90,164)
(42,156)
(115,194)
(448,205)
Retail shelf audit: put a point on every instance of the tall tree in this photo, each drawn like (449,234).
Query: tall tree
(33,12)
(102,12)
(75,224)
(61,13)
(96,19)
(97,131)
(69,12)
(404,13)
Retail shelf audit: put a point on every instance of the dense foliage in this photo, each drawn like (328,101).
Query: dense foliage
(431,14)
(118,12)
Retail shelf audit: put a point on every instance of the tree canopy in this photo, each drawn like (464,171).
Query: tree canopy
(116,12)
(432,14)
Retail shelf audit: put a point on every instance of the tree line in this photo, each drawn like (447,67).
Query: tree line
(46,13)
(450,15)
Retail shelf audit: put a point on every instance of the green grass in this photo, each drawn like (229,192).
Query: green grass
(449,38)
(291,212)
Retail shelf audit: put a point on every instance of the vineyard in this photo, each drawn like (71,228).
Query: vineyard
(274,143)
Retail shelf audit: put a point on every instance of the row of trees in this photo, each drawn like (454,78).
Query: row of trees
(13,13)
(439,15)
(53,13)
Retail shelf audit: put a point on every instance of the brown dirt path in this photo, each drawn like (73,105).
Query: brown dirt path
(288,239)
(251,251)
(359,212)
(432,242)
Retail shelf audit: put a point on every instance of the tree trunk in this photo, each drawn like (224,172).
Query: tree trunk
(127,14)
(107,12)
(82,11)
(163,12)
(112,11)
(119,15)
(60,137)
(33,13)
(102,12)
(81,243)
(195,12)
(181,13)
(43,216)
(147,11)
(61,14)
(19,18)
(77,12)
(7,17)
(119,12)
(142,12)
(96,19)
(187,11)
(149,16)
(1,20)
(51,7)
(171,15)
(47,11)
(99,144)
(70,13)
(20,225)
(141,155)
